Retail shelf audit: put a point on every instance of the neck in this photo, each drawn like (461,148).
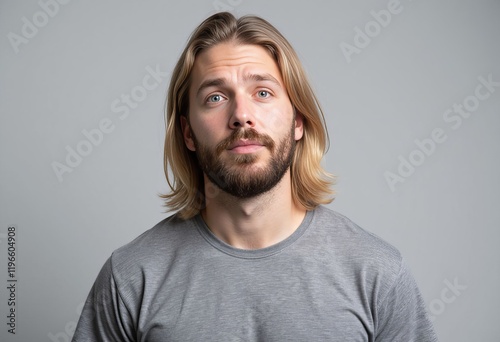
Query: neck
(253,223)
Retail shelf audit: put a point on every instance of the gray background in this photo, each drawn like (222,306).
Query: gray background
(444,217)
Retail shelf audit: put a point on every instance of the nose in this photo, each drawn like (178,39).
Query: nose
(242,114)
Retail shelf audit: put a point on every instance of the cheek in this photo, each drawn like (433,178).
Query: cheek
(207,132)
(279,122)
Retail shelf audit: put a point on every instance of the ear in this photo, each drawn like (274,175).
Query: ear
(187,134)
(299,126)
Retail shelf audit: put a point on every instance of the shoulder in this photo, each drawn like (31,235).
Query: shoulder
(345,232)
(359,250)
(156,246)
(138,267)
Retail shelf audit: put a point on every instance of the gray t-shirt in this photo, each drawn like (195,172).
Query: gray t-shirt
(329,281)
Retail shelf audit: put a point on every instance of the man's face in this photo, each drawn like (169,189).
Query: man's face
(241,122)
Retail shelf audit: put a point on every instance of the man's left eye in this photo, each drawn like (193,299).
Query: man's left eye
(263,94)
(215,98)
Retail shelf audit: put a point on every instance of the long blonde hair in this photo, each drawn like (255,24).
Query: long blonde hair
(311,184)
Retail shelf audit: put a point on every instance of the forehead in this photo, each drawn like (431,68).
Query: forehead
(231,60)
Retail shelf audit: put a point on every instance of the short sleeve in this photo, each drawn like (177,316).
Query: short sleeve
(401,314)
(104,316)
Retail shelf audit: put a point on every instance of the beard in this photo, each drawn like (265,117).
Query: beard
(238,176)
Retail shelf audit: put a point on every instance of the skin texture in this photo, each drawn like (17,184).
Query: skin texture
(242,126)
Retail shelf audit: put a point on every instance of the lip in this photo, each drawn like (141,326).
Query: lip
(245,146)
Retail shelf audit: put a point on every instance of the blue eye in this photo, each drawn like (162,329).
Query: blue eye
(215,98)
(263,94)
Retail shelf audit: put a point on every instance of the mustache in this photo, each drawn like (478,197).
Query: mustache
(245,134)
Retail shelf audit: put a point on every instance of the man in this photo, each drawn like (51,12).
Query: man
(251,254)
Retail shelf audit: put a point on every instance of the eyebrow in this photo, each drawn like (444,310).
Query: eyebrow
(220,81)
